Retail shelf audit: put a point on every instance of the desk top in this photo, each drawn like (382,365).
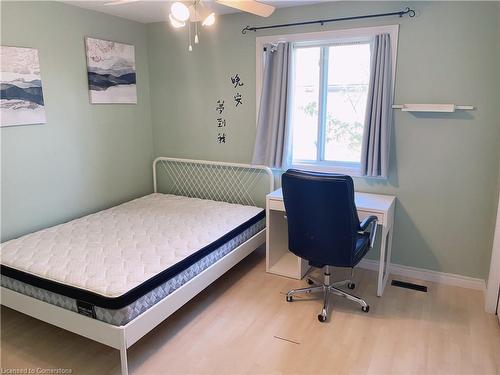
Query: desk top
(364,201)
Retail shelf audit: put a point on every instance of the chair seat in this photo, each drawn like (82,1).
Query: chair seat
(362,247)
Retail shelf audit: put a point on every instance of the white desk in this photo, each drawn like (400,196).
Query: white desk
(280,261)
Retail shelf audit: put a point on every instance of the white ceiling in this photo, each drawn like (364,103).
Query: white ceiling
(148,11)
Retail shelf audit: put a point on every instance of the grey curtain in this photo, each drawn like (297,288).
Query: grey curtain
(377,131)
(272,142)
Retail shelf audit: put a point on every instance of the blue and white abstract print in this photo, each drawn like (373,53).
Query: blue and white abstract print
(21,94)
(111,71)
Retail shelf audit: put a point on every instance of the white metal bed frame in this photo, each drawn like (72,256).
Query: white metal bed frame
(225,180)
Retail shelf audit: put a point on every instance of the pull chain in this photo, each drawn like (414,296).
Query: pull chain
(196,40)
(190,47)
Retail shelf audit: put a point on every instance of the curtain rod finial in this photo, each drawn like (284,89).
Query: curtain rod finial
(409,11)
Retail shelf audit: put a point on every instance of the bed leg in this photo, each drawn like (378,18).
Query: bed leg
(123,360)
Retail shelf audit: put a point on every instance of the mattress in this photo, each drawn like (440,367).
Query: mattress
(115,264)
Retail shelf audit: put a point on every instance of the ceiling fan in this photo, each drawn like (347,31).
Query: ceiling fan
(248,6)
(195,11)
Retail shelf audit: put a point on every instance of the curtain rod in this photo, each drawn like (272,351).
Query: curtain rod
(401,13)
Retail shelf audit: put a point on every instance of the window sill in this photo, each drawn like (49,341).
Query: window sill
(329,168)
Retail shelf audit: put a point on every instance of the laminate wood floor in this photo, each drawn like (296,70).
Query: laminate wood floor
(242,325)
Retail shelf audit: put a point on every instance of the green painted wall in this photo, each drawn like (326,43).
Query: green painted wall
(444,167)
(86,157)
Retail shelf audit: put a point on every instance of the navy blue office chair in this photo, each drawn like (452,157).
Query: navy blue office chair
(324,229)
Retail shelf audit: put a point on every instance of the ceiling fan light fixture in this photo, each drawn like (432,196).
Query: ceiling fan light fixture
(179,11)
(209,20)
(175,22)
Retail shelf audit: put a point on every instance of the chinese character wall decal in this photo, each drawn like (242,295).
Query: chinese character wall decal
(220,106)
(221,138)
(221,122)
(236,81)
(237,99)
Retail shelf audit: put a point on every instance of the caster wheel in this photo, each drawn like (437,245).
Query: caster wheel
(365,309)
(310,282)
(321,318)
(351,285)
(289,298)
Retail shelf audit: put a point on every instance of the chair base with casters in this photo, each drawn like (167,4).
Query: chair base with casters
(328,288)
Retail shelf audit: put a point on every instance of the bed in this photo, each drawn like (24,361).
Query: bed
(114,275)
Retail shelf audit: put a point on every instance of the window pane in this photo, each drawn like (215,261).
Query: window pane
(348,77)
(305,103)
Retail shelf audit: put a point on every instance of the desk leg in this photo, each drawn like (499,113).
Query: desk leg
(385,260)
(388,259)
(268,223)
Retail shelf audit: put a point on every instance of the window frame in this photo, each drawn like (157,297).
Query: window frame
(323,39)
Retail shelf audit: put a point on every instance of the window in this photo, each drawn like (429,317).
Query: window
(329,102)
(331,72)
(330,91)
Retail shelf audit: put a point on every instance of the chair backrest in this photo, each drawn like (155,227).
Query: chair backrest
(321,215)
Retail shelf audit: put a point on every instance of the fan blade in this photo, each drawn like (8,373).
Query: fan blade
(249,6)
(120,2)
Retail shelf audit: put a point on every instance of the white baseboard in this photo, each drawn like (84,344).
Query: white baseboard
(428,275)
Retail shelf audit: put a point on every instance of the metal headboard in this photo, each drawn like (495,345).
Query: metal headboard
(220,181)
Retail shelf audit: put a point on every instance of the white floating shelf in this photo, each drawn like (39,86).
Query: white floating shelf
(447,108)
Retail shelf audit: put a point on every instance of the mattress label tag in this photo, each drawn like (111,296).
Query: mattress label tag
(86,309)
